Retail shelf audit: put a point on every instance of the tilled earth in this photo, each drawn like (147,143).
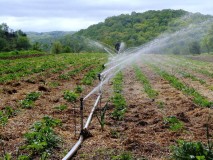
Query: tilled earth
(142,133)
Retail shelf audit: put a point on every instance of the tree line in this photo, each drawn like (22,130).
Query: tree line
(12,40)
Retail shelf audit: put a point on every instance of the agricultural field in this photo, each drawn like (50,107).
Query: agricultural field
(146,109)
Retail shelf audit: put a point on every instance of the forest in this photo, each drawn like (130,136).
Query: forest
(133,29)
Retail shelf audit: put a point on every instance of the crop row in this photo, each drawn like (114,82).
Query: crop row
(144,80)
(14,69)
(175,82)
(118,98)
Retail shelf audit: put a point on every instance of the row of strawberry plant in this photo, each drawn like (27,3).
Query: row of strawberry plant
(144,80)
(41,139)
(14,69)
(186,63)
(118,99)
(168,63)
(175,82)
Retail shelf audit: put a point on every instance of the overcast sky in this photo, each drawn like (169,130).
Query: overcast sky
(73,15)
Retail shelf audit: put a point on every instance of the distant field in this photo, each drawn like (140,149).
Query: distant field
(20,54)
(153,103)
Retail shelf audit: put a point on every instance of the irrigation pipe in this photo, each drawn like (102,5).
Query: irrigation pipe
(81,139)
(103,79)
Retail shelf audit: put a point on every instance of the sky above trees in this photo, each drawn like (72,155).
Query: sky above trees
(73,15)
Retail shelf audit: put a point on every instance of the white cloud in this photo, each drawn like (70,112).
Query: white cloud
(48,15)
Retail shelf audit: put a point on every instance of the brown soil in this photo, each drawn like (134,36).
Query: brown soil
(142,131)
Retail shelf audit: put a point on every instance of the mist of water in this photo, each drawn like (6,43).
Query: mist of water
(126,56)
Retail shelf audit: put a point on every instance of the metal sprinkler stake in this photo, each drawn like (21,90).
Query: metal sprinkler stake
(81,112)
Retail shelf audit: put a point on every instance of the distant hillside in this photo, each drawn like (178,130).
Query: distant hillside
(47,37)
(138,28)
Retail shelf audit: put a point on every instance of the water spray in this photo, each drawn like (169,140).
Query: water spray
(125,57)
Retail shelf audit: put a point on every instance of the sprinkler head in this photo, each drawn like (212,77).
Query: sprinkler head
(99,77)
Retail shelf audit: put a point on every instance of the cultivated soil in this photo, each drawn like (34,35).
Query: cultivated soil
(142,133)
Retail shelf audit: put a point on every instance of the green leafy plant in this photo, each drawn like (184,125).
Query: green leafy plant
(78,89)
(114,133)
(118,99)
(5,114)
(191,151)
(3,118)
(70,96)
(144,80)
(123,156)
(7,156)
(160,104)
(61,107)
(24,157)
(42,137)
(28,102)
(33,96)
(174,123)
(175,82)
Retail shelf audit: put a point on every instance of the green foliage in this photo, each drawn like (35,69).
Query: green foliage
(61,107)
(7,156)
(70,96)
(33,96)
(144,80)
(10,40)
(28,102)
(56,48)
(194,48)
(18,68)
(5,114)
(24,157)
(123,156)
(91,75)
(42,137)
(160,104)
(191,151)
(78,89)
(174,123)
(134,29)
(118,99)
(175,82)
(114,133)
(207,41)
(3,118)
